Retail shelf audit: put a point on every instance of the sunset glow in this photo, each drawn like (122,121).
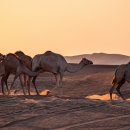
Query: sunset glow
(68,27)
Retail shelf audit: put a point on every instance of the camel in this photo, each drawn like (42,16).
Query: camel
(27,60)
(122,74)
(56,64)
(2,68)
(13,65)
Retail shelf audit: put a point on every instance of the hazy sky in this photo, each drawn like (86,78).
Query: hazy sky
(68,27)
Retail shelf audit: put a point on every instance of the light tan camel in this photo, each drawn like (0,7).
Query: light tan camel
(122,74)
(56,64)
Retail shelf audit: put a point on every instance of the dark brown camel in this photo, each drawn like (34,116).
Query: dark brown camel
(13,65)
(27,60)
(122,75)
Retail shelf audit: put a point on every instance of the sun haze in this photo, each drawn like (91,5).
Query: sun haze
(68,27)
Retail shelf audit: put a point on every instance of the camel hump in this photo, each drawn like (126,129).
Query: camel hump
(48,52)
(9,55)
(19,52)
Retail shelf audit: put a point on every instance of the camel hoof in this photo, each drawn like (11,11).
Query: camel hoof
(29,94)
(38,94)
(25,94)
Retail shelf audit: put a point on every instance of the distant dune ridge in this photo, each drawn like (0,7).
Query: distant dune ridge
(101,58)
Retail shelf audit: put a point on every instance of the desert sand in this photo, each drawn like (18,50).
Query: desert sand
(82,103)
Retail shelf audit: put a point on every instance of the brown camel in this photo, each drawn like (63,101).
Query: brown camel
(27,60)
(13,65)
(122,74)
(56,64)
(2,68)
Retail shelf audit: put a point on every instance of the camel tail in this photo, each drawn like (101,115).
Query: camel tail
(114,79)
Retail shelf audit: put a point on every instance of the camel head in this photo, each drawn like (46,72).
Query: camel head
(86,61)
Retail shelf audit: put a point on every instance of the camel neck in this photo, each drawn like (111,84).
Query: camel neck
(75,67)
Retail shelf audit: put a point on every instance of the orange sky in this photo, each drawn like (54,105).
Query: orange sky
(68,27)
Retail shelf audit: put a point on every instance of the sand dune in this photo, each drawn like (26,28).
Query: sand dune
(101,58)
(82,103)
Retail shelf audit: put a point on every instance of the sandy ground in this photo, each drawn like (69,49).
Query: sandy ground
(81,104)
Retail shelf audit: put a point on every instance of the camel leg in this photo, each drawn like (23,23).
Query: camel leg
(118,89)
(61,79)
(55,78)
(34,84)
(111,90)
(58,80)
(2,85)
(28,84)
(25,79)
(16,76)
(6,78)
(7,87)
(20,77)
